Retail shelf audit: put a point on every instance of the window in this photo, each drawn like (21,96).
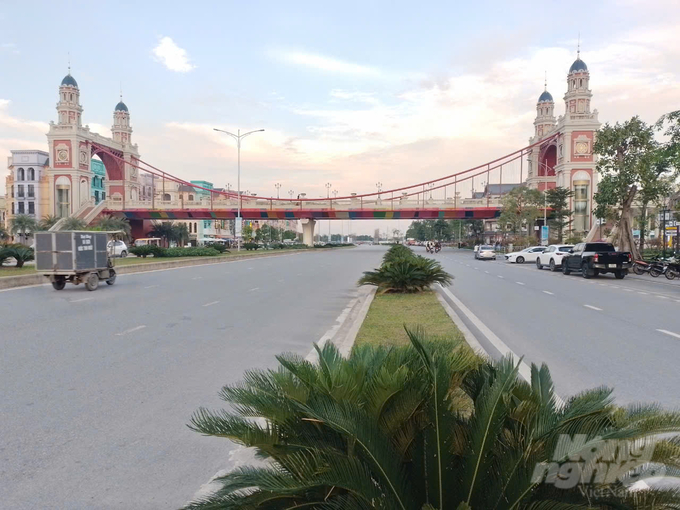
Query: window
(20,191)
(21,208)
(581,213)
(195,227)
(31,174)
(550,249)
(103,195)
(166,197)
(191,198)
(12,208)
(31,191)
(31,208)
(20,174)
(206,224)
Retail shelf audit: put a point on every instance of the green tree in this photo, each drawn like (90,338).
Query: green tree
(442,230)
(72,223)
(428,426)
(463,229)
(289,234)
(115,224)
(180,233)
(47,222)
(163,230)
(558,200)
(631,160)
(247,232)
(421,230)
(520,208)
(23,226)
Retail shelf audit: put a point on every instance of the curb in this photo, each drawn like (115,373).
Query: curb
(9,282)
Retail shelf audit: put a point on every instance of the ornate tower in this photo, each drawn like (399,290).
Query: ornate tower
(68,107)
(545,113)
(121,129)
(576,163)
(541,159)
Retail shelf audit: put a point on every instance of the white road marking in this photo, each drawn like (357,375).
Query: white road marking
(476,268)
(519,283)
(211,303)
(643,293)
(661,297)
(677,300)
(80,300)
(131,330)
(151,286)
(486,272)
(256,288)
(668,333)
(197,278)
(548,293)
(628,290)
(501,276)
(593,307)
(614,286)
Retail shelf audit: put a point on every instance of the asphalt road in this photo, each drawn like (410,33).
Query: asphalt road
(623,334)
(96,388)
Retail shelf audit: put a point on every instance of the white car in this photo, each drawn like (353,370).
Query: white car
(117,249)
(552,257)
(527,255)
(485,252)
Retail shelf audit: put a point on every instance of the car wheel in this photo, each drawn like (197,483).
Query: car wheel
(519,260)
(584,271)
(620,275)
(123,254)
(552,265)
(538,263)
(565,269)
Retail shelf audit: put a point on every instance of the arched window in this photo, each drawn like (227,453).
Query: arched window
(195,227)
(20,174)
(580,82)
(166,197)
(31,174)
(191,198)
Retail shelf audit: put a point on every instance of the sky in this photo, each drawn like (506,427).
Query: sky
(352,93)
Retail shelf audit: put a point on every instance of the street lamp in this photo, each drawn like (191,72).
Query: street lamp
(238,137)
(291,193)
(278,187)
(379,186)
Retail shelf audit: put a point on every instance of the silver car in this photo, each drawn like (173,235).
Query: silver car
(485,252)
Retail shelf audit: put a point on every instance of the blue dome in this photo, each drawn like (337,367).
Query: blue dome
(69,80)
(578,65)
(545,97)
(121,107)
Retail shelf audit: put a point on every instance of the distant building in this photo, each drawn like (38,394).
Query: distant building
(27,184)
(3,214)
(376,235)
(98,180)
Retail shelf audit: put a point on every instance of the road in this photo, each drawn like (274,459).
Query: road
(619,333)
(96,388)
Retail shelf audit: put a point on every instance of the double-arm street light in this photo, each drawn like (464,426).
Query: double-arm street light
(278,188)
(238,137)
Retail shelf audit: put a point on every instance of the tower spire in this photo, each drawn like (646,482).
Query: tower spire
(545,85)
(121,90)
(69,62)
(578,48)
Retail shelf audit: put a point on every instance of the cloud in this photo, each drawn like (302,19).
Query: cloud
(172,56)
(9,48)
(323,63)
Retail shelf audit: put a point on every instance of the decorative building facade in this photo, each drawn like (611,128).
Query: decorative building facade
(566,157)
(26,183)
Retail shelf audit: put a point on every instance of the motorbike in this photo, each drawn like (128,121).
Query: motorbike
(672,270)
(641,267)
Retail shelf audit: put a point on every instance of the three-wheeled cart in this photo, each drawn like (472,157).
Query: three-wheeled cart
(74,256)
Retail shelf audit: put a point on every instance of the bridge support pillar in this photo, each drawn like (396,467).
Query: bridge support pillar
(308,231)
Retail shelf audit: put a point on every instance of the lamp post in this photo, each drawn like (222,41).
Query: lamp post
(379,186)
(278,187)
(238,137)
(291,193)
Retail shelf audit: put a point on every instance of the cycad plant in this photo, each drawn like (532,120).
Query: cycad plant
(423,427)
(115,224)
(73,223)
(406,275)
(18,252)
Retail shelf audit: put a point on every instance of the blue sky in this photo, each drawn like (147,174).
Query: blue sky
(349,92)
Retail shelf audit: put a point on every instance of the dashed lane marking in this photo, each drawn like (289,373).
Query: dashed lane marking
(670,333)
(519,283)
(548,293)
(211,303)
(151,286)
(252,290)
(501,276)
(131,330)
(593,307)
(197,278)
(643,293)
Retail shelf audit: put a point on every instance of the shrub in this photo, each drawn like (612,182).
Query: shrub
(189,252)
(146,250)
(251,246)
(431,425)
(19,252)
(407,275)
(218,246)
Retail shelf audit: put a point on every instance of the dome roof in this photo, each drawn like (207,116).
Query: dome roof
(546,97)
(69,80)
(121,107)
(578,65)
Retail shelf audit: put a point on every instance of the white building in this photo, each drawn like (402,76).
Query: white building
(26,182)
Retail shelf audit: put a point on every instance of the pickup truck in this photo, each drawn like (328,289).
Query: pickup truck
(596,258)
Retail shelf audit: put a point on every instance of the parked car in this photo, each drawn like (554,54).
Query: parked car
(527,255)
(117,249)
(597,258)
(552,257)
(485,252)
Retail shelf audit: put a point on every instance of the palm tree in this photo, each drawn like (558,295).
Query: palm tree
(23,225)
(72,223)
(423,427)
(180,233)
(165,230)
(115,224)
(47,222)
